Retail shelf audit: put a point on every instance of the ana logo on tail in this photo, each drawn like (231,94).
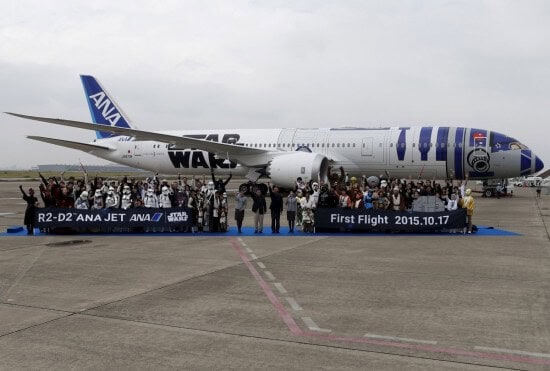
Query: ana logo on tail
(107,109)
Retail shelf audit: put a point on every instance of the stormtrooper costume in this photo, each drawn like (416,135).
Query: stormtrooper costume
(98,200)
(111,201)
(126,199)
(452,204)
(81,202)
(150,200)
(164,199)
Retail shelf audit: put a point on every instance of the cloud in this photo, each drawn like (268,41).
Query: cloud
(265,64)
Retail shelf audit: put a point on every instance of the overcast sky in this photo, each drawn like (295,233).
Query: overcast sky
(263,64)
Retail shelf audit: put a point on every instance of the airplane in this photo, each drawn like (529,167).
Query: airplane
(283,155)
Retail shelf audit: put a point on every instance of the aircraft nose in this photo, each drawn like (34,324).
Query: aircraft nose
(539,165)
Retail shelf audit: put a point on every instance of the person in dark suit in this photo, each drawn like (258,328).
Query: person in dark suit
(259,208)
(32,203)
(276,208)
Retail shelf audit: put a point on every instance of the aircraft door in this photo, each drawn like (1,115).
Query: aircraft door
(136,152)
(367,147)
(137,149)
(373,147)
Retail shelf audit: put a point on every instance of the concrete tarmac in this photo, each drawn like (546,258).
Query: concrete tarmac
(434,302)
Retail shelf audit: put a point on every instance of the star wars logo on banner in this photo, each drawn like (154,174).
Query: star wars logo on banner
(53,217)
(382,221)
(177,216)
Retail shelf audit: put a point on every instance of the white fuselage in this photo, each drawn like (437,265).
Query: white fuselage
(427,152)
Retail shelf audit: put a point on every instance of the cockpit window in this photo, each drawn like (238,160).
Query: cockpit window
(516,145)
(500,142)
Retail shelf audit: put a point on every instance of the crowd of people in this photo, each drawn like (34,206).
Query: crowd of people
(343,191)
(208,199)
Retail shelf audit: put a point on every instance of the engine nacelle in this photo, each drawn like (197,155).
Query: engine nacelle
(284,169)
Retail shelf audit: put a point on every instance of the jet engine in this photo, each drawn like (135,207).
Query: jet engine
(284,169)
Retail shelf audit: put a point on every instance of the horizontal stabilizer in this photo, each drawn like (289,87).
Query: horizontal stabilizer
(85,147)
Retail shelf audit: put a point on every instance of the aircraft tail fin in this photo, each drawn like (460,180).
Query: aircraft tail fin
(103,108)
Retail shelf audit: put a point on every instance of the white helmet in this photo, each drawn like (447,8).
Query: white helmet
(164,190)
(84,195)
(315,186)
(150,192)
(210,185)
(97,193)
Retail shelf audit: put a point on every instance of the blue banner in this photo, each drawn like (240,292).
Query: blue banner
(388,221)
(113,218)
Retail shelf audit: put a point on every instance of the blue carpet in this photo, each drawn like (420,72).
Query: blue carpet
(249,231)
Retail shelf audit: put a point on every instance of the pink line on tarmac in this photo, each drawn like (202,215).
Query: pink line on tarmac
(295,329)
(281,310)
(431,348)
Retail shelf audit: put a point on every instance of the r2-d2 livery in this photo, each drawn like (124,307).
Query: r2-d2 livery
(283,155)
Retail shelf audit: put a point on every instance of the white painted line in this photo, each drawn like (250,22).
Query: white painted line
(269,275)
(280,288)
(10,300)
(293,304)
(253,256)
(10,198)
(374,336)
(312,325)
(519,352)
(4,214)
(243,243)
(239,239)
(248,250)
(261,265)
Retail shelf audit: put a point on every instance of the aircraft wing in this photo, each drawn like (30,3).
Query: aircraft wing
(244,155)
(69,144)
